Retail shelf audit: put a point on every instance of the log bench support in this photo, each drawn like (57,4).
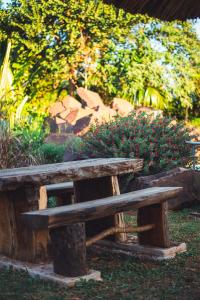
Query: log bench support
(67,232)
(68,250)
(156,214)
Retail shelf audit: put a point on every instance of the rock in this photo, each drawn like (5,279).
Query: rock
(56,109)
(110,112)
(82,126)
(102,115)
(60,121)
(187,178)
(84,112)
(89,98)
(70,153)
(51,122)
(64,114)
(72,116)
(55,138)
(71,103)
(122,107)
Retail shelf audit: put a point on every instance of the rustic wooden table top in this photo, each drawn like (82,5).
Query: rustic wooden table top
(67,171)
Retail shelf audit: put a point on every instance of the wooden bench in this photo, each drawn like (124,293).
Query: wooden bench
(67,224)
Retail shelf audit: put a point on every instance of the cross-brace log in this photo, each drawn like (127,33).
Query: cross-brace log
(115,230)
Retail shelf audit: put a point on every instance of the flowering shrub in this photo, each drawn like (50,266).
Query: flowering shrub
(160,141)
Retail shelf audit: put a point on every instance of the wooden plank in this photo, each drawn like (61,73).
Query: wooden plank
(60,186)
(159,235)
(43,200)
(67,171)
(63,192)
(96,209)
(69,250)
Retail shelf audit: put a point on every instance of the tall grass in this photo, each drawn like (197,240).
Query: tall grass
(13,151)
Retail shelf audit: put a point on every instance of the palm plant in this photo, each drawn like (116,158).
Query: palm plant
(6,80)
(7,92)
(151,97)
(6,76)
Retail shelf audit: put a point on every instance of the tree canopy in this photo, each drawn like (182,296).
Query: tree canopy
(60,45)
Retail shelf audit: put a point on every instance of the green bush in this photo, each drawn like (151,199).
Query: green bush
(160,142)
(52,153)
(24,146)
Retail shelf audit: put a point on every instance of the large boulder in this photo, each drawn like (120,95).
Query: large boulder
(186,178)
(103,115)
(59,139)
(89,98)
(122,107)
(71,103)
(82,126)
(72,116)
(60,121)
(64,114)
(71,148)
(84,112)
(56,109)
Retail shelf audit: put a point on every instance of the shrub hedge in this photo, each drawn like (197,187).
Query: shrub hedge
(159,141)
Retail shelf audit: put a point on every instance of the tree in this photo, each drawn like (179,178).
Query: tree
(155,65)
(56,43)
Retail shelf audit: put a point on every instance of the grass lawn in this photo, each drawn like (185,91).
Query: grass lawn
(124,278)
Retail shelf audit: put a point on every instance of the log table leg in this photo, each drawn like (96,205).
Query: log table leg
(93,189)
(154,214)
(69,250)
(16,240)
(62,198)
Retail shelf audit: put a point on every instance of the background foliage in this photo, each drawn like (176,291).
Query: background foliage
(60,45)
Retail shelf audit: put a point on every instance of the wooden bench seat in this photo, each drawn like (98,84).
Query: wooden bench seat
(90,210)
(67,224)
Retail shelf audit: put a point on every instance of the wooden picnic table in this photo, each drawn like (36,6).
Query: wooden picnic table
(19,192)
